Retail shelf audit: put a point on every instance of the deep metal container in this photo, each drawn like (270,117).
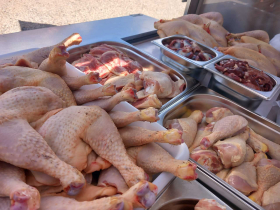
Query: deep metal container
(204,99)
(148,62)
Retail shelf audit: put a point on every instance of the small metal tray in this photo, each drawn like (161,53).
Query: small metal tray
(148,62)
(189,63)
(180,190)
(203,99)
(228,83)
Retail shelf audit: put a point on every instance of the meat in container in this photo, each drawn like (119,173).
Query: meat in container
(203,99)
(146,61)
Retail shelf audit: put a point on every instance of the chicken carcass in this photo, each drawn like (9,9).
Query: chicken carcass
(232,151)
(147,101)
(73,140)
(154,159)
(41,54)
(22,146)
(187,125)
(223,173)
(216,16)
(273,148)
(141,195)
(122,119)
(224,128)
(244,53)
(136,136)
(161,84)
(109,103)
(186,28)
(201,133)
(216,113)
(249,153)
(244,177)
(268,174)
(208,159)
(12,181)
(271,198)
(209,204)
(16,76)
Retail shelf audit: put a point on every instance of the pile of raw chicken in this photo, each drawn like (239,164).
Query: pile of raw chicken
(251,46)
(49,146)
(224,144)
(116,68)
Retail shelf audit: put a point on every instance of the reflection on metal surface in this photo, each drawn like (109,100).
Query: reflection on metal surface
(148,62)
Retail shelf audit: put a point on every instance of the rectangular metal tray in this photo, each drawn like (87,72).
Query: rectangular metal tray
(228,83)
(180,189)
(189,63)
(148,62)
(203,99)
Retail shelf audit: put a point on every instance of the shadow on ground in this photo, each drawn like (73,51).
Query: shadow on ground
(29,25)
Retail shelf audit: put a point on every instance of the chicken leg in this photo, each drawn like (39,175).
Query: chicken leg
(73,140)
(154,159)
(224,128)
(95,163)
(258,34)
(136,136)
(216,113)
(271,197)
(12,182)
(122,119)
(209,204)
(147,101)
(256,145)
(188,126)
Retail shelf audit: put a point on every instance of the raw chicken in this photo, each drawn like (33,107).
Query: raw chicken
(41,54)
(271,197)
(147,101)
(122,119)
(121,81)
(95,163)
(73,140)
(216,16)
(232,151)
(16,76)
(255,144)
(223,173)
(12,182)
(268,175)
(5,203)
(249,153)
(112,177)
(82,96)
(187,125)
(244,177)
(136,136)
(109,103)
(208,159)
(22,146)
(216,113)
(142,195)
(201,133)
(224,128)
(244,53)
(208,204)
(186,28)
(161,84)
(154,159)
(273,148)
(257,34)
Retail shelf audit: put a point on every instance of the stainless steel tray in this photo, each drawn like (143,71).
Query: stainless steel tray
(229,83)
(179,190)
(203,99)
(148,62)
(189,63)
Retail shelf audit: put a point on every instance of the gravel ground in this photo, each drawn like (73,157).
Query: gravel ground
(20,15)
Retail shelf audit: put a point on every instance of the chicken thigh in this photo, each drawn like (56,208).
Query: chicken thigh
(209,204)
(22,146)
(271,197)
(12,182)
(73,140)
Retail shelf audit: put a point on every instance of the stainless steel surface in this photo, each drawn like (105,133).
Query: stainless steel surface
(204,99)
(126,27)
(180,190)
(147,61)
(189,63)
(224,82)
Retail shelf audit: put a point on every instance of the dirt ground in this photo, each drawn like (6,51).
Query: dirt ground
(20,15)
